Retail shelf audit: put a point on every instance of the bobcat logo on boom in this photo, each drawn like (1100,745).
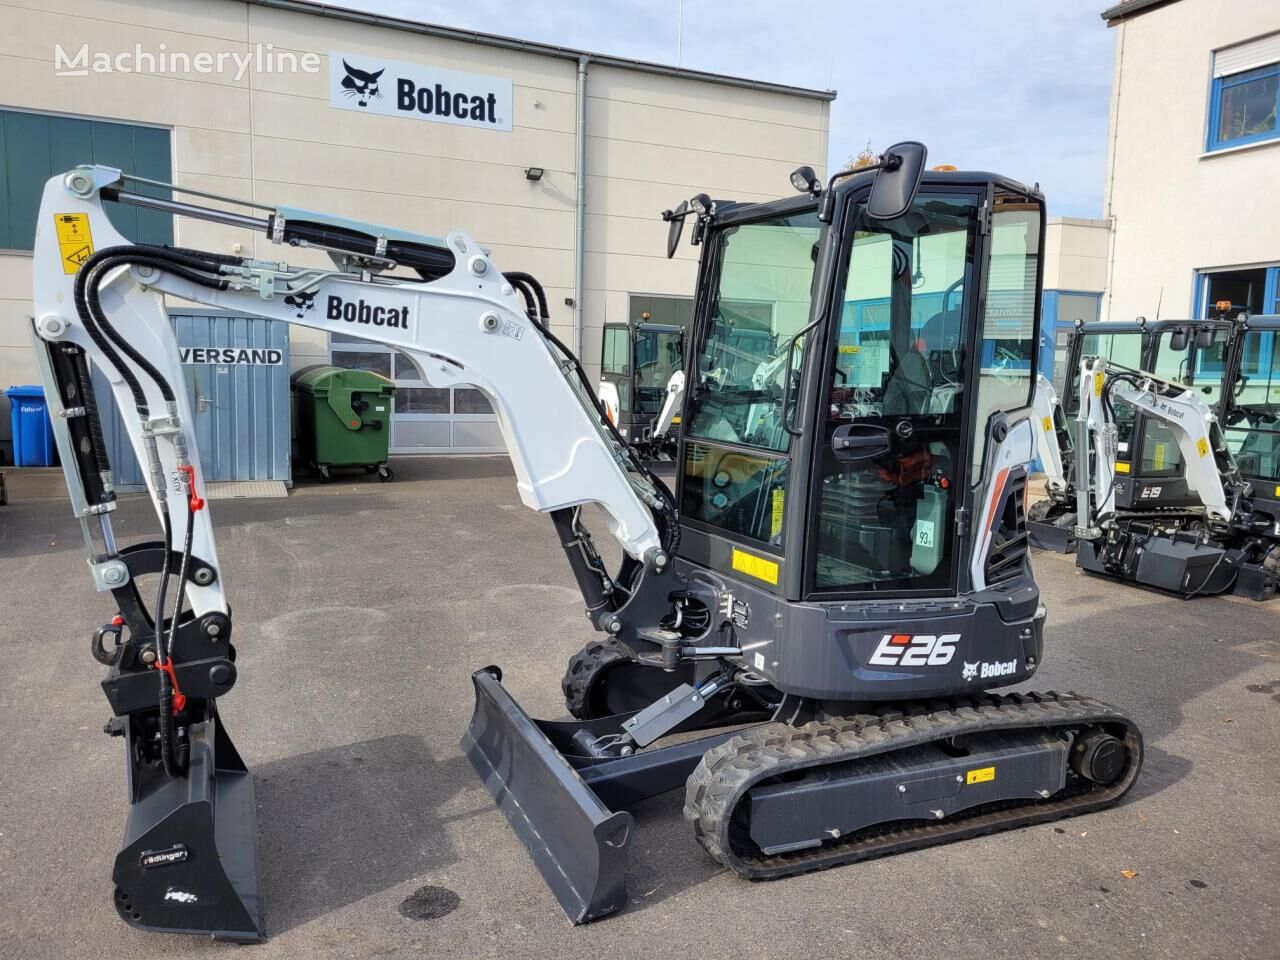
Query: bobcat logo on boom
(914,650)
(303,301)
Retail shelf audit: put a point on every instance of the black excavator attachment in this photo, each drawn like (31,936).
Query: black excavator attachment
(558,791)
(188,863)
(773,799)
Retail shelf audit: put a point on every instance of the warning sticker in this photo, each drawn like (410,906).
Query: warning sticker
(1157,457)
(1202,447)
(924,533)
(75,241)
(981,775)
(753,566)
(775,520)
(1097,384)
(1121,467)
(1048,424)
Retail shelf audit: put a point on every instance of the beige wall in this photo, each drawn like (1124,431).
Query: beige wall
(652,141)
(1175,209)
(1075,254)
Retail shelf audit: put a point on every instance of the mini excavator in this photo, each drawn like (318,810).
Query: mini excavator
(821,607)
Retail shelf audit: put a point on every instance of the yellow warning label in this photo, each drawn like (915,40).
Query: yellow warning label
(676,418)
(775,521)
(1097,384)
(1121,467)
(850,348)
(981,775)
(1157,457)
(1048,424)
(75,241)
(1278,490)
(753,566)
(1202,447)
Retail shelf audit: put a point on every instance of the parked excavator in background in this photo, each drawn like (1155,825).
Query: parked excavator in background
(1158,528)
(641,368)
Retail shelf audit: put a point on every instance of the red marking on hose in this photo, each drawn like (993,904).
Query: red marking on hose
(179,698)
(196,502)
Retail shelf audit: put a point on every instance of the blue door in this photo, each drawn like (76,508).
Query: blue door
(237,377)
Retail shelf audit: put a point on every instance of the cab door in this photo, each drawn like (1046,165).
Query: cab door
(616,374)
(890,444)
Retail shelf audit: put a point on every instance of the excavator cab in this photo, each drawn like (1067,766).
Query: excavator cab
(637,361)
(851,478)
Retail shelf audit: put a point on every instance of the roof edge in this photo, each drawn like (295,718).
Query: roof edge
(1129,9)
(321,9)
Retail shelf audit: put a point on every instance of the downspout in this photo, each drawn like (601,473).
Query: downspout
(580,211)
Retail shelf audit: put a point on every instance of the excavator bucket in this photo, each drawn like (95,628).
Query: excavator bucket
(577,843)
(189,859)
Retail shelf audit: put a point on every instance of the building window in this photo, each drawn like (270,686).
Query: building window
(1245,98)
(35,146)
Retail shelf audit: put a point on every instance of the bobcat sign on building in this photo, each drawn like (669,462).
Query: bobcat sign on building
(393,89)
(559,161)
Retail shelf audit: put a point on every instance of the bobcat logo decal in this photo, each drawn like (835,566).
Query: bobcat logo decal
(970,670)
(303,301)
(361,84)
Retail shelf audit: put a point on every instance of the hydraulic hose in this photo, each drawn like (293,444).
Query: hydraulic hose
(89,305)
(172,755)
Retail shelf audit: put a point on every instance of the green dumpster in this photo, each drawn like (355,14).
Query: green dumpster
(344,419)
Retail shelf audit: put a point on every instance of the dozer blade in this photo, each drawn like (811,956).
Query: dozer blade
(577,843)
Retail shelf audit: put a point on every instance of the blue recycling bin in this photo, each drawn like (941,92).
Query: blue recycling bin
(33,444)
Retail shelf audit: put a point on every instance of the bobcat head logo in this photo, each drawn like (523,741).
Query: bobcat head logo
(970,670)
(361,84)
(303,301)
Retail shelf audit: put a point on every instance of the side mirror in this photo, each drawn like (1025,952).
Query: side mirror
(1204,338)
(1178,340)
(897,181)
(676,219)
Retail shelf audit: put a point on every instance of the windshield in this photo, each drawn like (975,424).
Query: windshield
(658,354)
(762,300)
(1253,421)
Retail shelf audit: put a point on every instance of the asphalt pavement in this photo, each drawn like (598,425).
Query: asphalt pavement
(361,610)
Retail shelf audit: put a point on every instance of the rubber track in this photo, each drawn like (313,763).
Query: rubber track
(728,771)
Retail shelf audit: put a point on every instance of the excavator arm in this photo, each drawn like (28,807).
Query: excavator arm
(1210,469)
(187,864)
(1049,440)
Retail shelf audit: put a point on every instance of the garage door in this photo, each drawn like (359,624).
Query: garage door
(425,419)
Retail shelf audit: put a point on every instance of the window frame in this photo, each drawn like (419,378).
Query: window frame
(132,125)
(1219,86)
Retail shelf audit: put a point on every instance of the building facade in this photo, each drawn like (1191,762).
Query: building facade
(560,161)
(1193,171)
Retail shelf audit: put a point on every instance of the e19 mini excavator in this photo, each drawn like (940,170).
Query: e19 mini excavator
(827,599)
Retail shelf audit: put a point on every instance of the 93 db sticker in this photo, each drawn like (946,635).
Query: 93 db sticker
(914,650)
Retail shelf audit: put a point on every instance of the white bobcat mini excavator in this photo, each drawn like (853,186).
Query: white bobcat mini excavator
(1218,545)
(827,599)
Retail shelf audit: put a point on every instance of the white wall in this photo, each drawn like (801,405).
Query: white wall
(1075,254)
(1175,209)
(653,140)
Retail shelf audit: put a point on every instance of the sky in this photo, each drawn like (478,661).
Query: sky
(1019,87)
